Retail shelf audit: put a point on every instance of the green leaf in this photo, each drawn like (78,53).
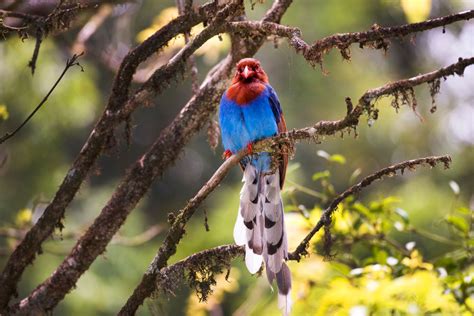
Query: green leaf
(458,222)
(463,210)
(321,175)
(340,267)
(340,159)
(380,255)
(362,209)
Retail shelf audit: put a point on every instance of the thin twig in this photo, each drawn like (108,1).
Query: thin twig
(69,63)
(183,8)
(325,218)
(39,39)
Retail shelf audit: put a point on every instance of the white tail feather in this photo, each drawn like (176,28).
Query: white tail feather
(285,303)
(252,260)
(260,227)
(240,232)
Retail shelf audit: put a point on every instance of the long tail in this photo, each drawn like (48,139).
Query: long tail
(260,226)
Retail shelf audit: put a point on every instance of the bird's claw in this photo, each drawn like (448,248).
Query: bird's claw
(227,154)
(249,148)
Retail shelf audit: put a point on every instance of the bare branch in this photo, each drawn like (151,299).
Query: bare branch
(182,9)
(378,35)
(325,219)
(69,63)
(137,240)
(91,27)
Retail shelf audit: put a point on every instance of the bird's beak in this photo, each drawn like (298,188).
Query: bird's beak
(246,72)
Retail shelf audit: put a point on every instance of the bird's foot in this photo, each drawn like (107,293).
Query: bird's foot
(249,148)
(227,154)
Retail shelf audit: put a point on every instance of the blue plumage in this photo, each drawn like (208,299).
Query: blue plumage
(242,124)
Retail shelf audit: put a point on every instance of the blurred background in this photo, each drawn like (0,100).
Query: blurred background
(434,207)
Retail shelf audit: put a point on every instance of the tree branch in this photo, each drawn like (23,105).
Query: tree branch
(55,18)
(69,63)
(366,103)
(375,38)
(325,219)
(182,9)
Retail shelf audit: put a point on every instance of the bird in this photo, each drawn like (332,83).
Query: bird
(250,111)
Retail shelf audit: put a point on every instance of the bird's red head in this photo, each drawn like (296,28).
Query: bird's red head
(249,71)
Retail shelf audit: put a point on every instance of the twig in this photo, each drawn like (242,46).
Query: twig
(69,63)
(19,15)
(183,8)
(325,218)
(139,239)
(91,27)
(34,58)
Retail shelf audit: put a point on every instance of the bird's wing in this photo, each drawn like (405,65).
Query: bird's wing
(280,120)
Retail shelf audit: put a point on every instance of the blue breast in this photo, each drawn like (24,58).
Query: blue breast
(244,124)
